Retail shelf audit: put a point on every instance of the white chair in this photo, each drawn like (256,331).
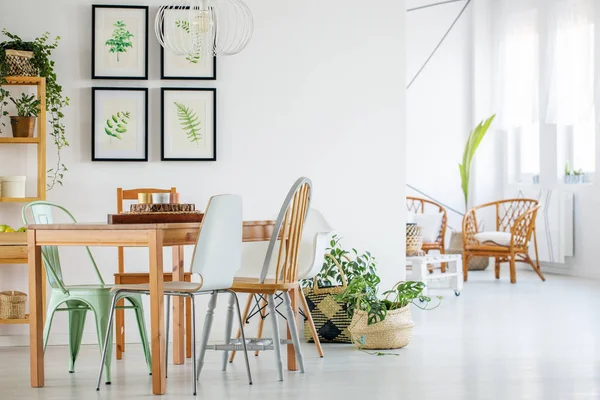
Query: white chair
(316,238)
(217,257)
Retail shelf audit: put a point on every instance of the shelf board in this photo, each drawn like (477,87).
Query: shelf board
(18,140)
(15,321)
(18,199)
(24,80)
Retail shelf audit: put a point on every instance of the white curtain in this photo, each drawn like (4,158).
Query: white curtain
(565,31)
(570,62)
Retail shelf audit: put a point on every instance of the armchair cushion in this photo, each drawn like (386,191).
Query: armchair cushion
(493,237)
(430,225)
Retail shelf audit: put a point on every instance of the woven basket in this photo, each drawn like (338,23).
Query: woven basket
(414,238)
(12,305)
(394,332)
(19,63)
(456,247)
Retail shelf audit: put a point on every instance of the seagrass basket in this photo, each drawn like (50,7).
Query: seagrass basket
(19,63)
(414,239)
(394,332)
(12,305)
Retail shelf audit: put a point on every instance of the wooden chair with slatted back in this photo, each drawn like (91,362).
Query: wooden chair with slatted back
(280,271)
(129,278)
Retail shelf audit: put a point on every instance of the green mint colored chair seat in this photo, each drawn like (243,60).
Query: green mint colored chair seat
(77,300)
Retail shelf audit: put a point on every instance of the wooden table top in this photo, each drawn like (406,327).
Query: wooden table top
(108,227)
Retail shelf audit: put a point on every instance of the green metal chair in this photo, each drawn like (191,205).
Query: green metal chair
(77,300)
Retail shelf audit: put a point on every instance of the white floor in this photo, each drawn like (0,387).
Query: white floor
(532,340)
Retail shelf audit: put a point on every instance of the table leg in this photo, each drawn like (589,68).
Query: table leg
(457,281)
(291,354)
(419,273)
(36,312)
(157,317)
(178,309)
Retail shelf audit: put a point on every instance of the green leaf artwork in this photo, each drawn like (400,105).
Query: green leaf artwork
(120,40)
(189,122)
(185,25)
(116,125)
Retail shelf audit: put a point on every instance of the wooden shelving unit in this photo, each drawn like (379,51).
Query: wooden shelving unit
(13,246)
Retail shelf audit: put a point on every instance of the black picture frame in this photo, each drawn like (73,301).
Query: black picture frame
(163,133)
(163,76)
(95,157)
(96,75)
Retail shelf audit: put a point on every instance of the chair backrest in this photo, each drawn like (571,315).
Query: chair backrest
(508,211)
(288,229)
(420,205)
(218,252)
(132,194)
(41,213)
(316,238)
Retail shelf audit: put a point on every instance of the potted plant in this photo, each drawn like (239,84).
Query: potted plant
(381,323)
(573,176)
(473,142)
(56,102)
(28,108)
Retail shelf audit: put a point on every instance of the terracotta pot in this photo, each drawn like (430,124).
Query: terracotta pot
(22,126)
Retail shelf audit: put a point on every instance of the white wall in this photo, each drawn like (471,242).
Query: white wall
(439,102)
(318,92)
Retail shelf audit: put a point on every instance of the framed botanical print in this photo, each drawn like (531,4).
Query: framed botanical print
(200,66)
(119,42)
(119,124)
(189,124)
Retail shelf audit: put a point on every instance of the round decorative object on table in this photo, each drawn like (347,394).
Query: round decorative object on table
(414,238)
(12,304)
(161,198)
(144,198)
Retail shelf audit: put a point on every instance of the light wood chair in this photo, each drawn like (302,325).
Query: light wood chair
(280,273)
(133,278)
(516,219)
(420,205)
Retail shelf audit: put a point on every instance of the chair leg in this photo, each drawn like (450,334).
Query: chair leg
(168,323)
(228,329)
(120,330)
(55,301)
(240,320)
(261,321)
(106,344)
(513,269)
(205,332)
(196,369)
(311,325)
(188,327)
(497,267)
(276,338)
(244,318)
(76,326)
(465,260)
(291,319)
(536,266)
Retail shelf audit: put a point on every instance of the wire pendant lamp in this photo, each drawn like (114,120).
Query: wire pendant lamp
(203,28)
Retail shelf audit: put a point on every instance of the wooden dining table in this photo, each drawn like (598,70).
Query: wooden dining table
(152,236)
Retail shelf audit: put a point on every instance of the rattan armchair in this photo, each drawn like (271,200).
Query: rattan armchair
(419,205)
(514,216)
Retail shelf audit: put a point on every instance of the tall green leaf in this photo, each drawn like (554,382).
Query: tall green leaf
(475,138)
(189,122)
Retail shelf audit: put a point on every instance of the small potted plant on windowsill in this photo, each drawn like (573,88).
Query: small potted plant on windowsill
(574,177)
(381,323)
(28,108)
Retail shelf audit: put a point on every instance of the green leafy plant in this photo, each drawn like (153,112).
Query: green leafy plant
(362,294)
(352,263)
(571,172)
(189,122)
(27,106)
(471,146)
(116,125)
(185,25)
(56,102)
(120,40)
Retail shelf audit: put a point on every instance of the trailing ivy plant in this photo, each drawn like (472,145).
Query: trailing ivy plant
(56,102)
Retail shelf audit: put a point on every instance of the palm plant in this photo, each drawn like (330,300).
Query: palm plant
(473,142)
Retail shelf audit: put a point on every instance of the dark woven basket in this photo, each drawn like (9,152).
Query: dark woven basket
(19,63)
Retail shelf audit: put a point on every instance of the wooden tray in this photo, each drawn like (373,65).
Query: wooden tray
(148,208)
(155,217)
